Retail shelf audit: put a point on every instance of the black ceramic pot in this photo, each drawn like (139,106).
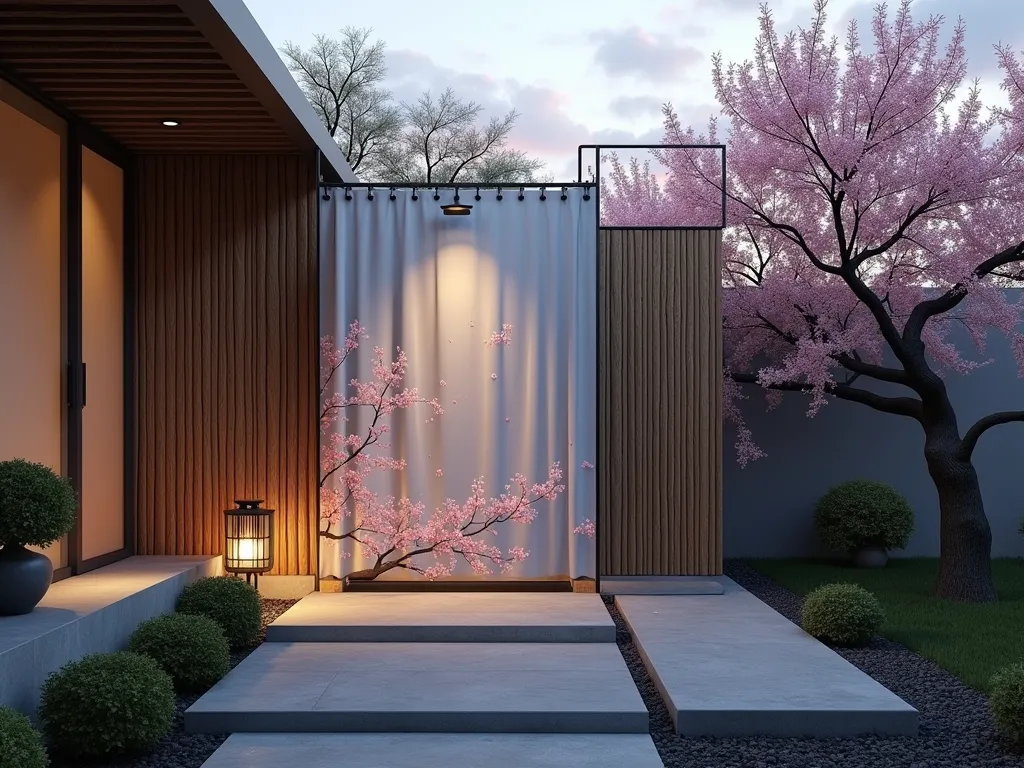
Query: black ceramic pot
(24,578)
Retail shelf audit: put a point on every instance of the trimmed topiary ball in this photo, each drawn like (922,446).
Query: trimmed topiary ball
(232,603)
(1006,703)
(842,614)
(862,513)
(37,506)
(192,649)
(21,745)
(107,704)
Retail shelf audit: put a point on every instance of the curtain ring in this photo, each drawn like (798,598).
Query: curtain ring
(369,193)
(327,194)
(477,196)
(456,194)
(586,192)
(414,195)
(437,196)
(565,196)
(542,195)
(348,193)
(522,196)
(499,193)
(392,195)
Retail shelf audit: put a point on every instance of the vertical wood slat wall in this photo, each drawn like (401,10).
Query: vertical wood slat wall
(227,364)
(660,452)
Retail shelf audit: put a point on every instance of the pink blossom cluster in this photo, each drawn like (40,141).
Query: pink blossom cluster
(397,533)
(502,337)
(858,191)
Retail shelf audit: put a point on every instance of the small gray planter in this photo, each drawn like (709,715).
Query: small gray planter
(25,577)
(870,557)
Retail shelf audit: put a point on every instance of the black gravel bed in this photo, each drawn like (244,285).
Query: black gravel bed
(179,749)
(956,730)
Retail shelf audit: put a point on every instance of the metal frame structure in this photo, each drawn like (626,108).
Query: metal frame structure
(82,135)
(580,183)
(598,148)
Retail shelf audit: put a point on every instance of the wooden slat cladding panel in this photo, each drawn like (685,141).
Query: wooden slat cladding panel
(227,352)
(660,453)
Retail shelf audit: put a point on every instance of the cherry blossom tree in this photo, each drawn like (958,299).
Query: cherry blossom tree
(873,202)
(396,532)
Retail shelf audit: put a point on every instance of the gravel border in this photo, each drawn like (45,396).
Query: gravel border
(179,749)
(956,730)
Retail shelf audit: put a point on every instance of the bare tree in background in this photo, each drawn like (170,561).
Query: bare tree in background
(442,143)
(433,140)
(341,79)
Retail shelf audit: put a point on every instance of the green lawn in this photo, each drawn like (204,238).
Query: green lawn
(971,641)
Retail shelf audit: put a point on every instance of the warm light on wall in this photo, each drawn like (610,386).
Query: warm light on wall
(248,539)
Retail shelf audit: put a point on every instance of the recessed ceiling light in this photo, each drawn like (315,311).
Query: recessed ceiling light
(169,123)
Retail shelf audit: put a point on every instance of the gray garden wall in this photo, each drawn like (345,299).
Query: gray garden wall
(769,504)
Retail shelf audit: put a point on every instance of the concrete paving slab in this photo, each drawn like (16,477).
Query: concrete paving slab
(661,585)
(436,750)
(447,617)
(424,687)
(728,665)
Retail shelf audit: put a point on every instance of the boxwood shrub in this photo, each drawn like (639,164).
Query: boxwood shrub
(1006,703)
(191,649)
(863,513)
(37,506)
(21,745)
(229,601)
(107,704)
(842,614)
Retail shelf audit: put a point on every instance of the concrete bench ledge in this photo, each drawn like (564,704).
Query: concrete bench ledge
(92,613)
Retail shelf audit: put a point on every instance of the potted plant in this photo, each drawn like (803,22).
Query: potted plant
(865,519)
(37,507)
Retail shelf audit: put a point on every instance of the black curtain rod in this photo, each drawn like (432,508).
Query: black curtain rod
(455,185)
(473,189)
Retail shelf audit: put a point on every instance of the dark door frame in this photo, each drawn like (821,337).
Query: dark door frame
(80,136)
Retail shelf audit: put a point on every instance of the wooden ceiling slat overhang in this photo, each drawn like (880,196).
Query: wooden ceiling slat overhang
(126,66)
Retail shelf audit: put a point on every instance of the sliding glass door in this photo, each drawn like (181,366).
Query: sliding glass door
(64,352)
(32,318)
(102,277)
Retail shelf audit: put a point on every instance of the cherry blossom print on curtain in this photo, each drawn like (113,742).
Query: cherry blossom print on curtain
(461,351)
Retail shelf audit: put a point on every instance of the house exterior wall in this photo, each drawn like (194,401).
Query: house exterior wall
(31,288)
(660,403)
(769,504)
(226,348)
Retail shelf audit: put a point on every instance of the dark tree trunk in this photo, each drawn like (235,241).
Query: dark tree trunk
(965,538)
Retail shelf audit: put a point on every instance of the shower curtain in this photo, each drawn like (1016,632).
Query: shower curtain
(497,313)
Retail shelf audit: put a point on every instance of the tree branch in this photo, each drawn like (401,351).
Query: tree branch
(951,298)
(901,406)
(981,426)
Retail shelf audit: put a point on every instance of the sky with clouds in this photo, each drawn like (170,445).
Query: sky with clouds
(594,71)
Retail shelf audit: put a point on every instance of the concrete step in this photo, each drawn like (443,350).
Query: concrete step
(446,617)
(728,665)
(440,750)
(424,687)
